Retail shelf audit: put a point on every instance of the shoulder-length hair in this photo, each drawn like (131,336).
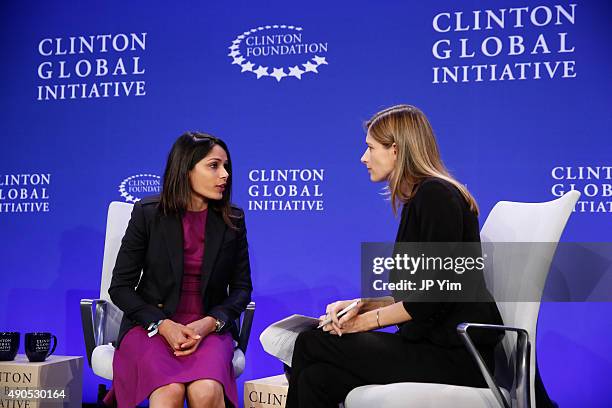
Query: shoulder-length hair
(187,151)
(418,155)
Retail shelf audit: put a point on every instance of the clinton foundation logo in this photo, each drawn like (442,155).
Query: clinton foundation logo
(286,189)
(278,51)
(134,188)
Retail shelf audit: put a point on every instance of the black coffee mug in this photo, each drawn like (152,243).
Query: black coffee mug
(38,346)
(9,344)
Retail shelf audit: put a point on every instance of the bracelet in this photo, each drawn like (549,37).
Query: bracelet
(153,328)
(378,318)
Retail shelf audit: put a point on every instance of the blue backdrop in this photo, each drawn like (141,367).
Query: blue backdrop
(93,96)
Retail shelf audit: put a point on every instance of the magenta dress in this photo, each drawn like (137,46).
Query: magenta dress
(142,364)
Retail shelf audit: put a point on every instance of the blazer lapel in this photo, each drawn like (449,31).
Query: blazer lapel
(213,238)
(173,234)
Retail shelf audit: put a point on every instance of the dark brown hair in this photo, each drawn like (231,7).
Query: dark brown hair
(187,151)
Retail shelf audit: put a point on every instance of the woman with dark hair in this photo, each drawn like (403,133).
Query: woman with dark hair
(176,336)
(327,364)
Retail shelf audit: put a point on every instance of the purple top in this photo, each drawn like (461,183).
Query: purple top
(190,303)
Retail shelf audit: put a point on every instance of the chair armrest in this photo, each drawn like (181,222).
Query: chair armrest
(245,327)
(89,308)
(98,318)
(522,371)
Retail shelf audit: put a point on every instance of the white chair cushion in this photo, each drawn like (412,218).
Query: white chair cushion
(238,361)
(102,361)
(420,395)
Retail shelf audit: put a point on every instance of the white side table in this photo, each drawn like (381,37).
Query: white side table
(39,385)
(269,392)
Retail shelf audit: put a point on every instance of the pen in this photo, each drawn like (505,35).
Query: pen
(340,314)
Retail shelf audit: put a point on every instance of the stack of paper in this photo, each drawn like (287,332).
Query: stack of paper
(278,339)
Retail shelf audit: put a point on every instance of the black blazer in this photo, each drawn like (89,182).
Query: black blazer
(153,243)
(439,213)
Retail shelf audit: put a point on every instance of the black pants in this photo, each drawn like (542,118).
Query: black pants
(325,368)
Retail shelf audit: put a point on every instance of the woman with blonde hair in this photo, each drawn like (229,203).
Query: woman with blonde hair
(327,364)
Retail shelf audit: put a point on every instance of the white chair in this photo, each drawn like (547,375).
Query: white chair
(522,279)
(101,318)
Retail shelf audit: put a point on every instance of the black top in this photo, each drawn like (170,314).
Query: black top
(153,244)
(439,213)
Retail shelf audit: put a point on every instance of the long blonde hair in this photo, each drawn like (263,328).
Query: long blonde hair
(418,156)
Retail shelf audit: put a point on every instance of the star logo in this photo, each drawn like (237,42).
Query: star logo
(320,60)
(278,73)
(247,66)
(124,186)
(265,60)
(261,71)
(310,67)
(296,72)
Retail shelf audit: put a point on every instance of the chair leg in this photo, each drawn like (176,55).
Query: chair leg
(101,392)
